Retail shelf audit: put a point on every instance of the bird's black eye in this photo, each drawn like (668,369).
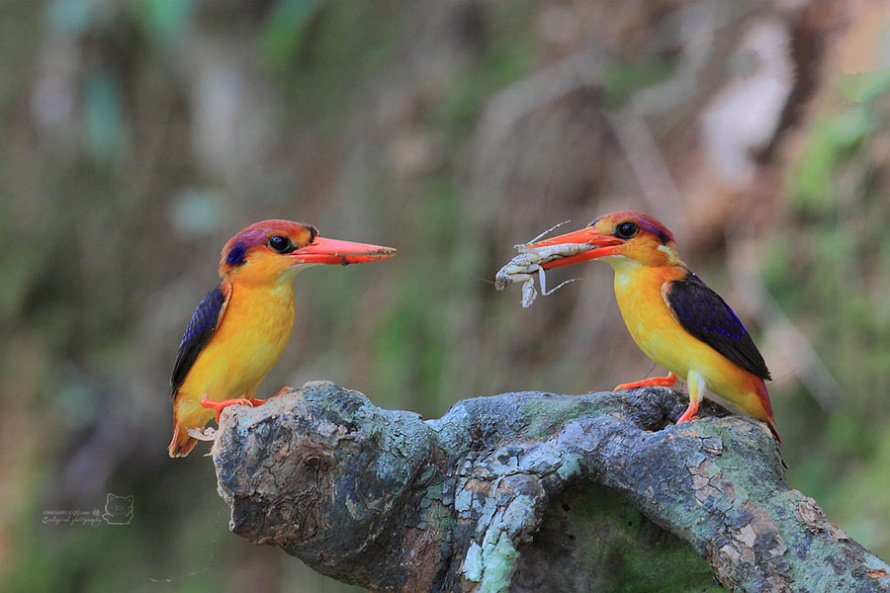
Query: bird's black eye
(626,230)
(281,244)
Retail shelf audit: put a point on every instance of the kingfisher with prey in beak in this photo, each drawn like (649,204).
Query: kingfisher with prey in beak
(241,327)
(674,318)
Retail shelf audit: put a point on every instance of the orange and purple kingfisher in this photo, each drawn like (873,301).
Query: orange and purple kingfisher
(240,328)
(674,318)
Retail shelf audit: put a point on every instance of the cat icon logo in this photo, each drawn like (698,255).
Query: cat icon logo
(118,509)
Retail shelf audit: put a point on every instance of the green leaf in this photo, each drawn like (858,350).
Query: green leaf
(862,87)
(102,117)
(165,20)
(286,28)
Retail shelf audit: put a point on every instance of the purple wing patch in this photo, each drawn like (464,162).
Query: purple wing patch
(705,315)
(199,331)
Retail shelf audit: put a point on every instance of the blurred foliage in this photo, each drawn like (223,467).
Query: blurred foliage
(287,30)
(623,79)
(102,118)
(829,270)
(835,138)
(508,54)
(139,136)
(304,42)
(165,20)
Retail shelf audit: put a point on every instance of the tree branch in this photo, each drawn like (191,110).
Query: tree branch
(530,492)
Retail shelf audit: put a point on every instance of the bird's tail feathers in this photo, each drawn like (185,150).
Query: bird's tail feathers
(181,444)
(768,417)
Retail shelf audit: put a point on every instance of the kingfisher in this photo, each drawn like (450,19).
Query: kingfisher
(672,315)
(241,327)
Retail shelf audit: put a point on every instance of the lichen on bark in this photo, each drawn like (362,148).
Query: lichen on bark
(529,492)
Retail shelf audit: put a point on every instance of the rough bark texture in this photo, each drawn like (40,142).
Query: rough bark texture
(530,492)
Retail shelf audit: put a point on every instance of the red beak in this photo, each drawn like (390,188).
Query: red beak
(600,246)
(334,251)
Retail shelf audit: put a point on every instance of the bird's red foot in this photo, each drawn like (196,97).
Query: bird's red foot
(258,402)
(650,382)
(690,413)
(222,405)
(284,389)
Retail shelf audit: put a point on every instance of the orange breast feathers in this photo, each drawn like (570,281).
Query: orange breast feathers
(252,331)
(241,327)
(652,325)
(672,315)
(643,297)
(248,341)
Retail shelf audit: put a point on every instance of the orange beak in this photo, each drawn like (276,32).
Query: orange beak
(334,251)
(600,246)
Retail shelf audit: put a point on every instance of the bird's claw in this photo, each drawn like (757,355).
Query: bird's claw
(667,381)
(691,413)
(282,391)
(222,405)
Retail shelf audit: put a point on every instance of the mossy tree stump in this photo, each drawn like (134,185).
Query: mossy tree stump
(530,492)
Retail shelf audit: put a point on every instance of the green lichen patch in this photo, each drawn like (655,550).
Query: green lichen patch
(614,548)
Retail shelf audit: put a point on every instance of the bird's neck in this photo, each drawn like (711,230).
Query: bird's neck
(631,275)
(266,308)
(640,294)
(259,279)
(274,294)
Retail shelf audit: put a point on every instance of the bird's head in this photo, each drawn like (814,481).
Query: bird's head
(273,250)
(617,237)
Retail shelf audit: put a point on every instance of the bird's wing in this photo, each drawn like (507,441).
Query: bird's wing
(705,315)
(200,329)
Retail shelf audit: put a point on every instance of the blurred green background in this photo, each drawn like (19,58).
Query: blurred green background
(138,136)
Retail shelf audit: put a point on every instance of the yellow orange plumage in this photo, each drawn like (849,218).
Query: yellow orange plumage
(241,327)
(674,318)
